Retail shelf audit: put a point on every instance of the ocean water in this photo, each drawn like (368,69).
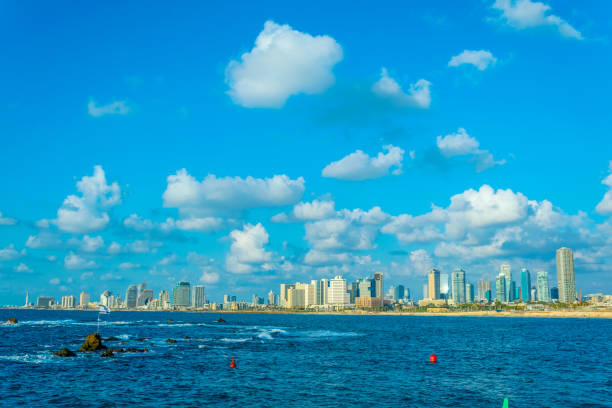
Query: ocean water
(306,361)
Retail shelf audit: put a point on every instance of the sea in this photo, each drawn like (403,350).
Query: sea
(305,360)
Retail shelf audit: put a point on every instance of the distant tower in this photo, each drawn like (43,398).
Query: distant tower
(507,272)
(433,281)
(525,285)
(565,275)
(458,285)
(27,299)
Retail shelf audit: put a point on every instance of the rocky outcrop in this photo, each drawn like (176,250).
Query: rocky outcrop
(220,320)
(170,341)
(112,338)
(108,353)
(141,339)
(64,353)
(129,350)
(93,342)
(170,320)
(11,320)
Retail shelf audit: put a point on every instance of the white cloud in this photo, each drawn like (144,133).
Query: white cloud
(110,276)
(54,281)
(318,258)
(43,240)
(7,220)
(170,259)
(114,248)
(228,195)
(418,95)
(74,261)
(359,166)
(481,59)
(128,265)
(462,144)
(9,253)
(247,252)
(113,108)
(420,262)
(605,205)
(314,210)
(284,62)
(209,275)
(92,244)
(522,14)
(87,213)
(23,268)
(137,223)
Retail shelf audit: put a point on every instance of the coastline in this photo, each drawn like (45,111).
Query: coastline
(590,314)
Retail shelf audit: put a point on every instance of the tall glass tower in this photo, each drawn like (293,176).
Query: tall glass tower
(131,296)
(507,272)
(565,275)
(458,285)
(500,288)
(433,280)
(181,294)
(542,285)
(525,285)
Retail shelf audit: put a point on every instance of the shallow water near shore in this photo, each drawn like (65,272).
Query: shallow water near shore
(306,361)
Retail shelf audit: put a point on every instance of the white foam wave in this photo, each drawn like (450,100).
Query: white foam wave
(29,358)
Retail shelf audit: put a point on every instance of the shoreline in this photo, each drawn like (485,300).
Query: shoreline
(590,314)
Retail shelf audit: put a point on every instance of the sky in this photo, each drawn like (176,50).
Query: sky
(240,145)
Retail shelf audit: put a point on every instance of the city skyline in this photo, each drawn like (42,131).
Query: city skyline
(301,144)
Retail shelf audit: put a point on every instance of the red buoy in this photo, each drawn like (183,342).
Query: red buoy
(433,358)
(233,363)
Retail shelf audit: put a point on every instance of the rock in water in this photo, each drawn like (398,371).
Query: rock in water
(107,353)
(11,320)
(93,342)
(170,341)
(112,338)
(64,353)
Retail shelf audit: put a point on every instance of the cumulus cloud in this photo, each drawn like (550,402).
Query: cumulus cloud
(113,108)
(283,62)
(9,253)
(92,244)
(605,205)
(462,144)
(137,223)
(23,268)
(137,247)
(247,252)
(43,240)
(359,166)
(418,95)
(216,196)
(74,261)
(88,212)
(110,276)
(128,265)
(481,59)
(7,220)
(54,281)
(318,258)
(314,210)
(521,14)
(209,275)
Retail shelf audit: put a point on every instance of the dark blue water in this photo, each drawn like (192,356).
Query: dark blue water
(307,361)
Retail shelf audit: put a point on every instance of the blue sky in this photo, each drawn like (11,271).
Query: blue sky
(243,145)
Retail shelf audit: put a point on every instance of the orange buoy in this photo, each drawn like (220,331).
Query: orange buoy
(233,363)
(433,358)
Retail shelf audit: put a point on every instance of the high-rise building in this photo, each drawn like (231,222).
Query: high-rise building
(68,302)
(45,301)
(542,285)
(131,296)
(312,293)
(378,286)
(483,287)
(141,287)
(554,293)
(444,286)
(433,284)
(271,298)
(145,297)
(181,294)
(164,299)
(226,298)
(27,303)
(507,272)
(296,296)
(366,288)
(338,295)
(425,291)
(199,297)
(516,291)
(458,285)
(354,291)
(107,298)
(500,288)
(565,275)
(525,285)
(407,294)
(534,293)
(84,300)
(400,292)
(324,293)
(284,294)
(469,293)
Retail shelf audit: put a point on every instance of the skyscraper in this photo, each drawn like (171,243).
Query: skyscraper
(500,288)
(507,272)
(378,285)
(458,285)
(483,287)
(145,297)
(425,291)
(433,284)
(366,288)
(141,287)
(444,286)
(565,275)
(68,302)
(525,285)
(284,294)
(131,296)
(338,294)
(164,299)
(469,293)
(84,300)
(399,292)
(324,291)
(271,298)
(542,285)
(199,297)
(181,294)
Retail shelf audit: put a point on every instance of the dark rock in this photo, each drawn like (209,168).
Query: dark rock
(141,339)
(11,320)
(108,353)
(170,320)
(112,338)
(129,350)
(187,338)
(64,353)
(220,320)
(93,342)
(170,341)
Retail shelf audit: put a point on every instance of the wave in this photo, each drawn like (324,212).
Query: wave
(239,340)
(329,333)
(30,358)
